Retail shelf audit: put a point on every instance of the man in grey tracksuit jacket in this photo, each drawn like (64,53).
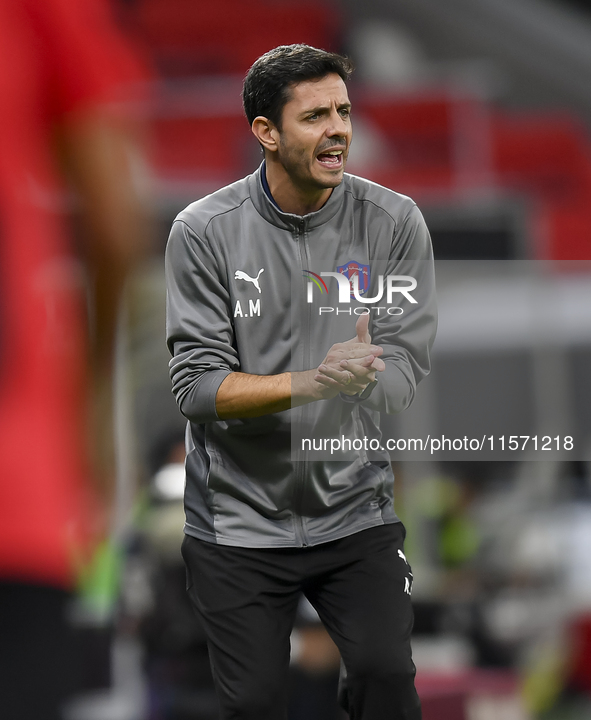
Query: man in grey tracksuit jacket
(256,290)
(244,487)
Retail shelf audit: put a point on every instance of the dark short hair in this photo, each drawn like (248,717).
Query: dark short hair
(266,85)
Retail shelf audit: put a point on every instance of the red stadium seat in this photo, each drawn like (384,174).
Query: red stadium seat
(201,146)
(197,36)
(548,156)
(437,140)
(548,153)
(420,129)
(565,229)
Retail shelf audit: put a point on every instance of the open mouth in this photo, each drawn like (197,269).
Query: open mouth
(332,159)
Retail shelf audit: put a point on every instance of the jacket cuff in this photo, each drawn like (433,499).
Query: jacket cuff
(198,406)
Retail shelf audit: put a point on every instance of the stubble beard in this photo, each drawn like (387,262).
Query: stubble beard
(297,167)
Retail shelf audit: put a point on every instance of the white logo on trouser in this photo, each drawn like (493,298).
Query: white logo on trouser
(407,581)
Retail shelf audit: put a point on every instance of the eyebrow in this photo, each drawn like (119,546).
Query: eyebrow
(324,108)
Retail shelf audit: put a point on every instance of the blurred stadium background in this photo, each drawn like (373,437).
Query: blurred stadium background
(481,111)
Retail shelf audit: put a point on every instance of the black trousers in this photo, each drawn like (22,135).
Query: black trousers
(360,586)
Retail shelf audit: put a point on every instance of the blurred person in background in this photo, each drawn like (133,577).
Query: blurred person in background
(154,606)
(65,79)
(314,669)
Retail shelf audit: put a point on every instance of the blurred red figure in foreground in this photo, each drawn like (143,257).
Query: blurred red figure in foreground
(65,75)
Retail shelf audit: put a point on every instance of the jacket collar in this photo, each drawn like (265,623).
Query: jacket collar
(289,221)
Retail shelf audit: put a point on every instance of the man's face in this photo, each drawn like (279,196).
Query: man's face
(316,133)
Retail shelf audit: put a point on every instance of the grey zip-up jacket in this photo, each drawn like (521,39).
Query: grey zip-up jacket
(246,292)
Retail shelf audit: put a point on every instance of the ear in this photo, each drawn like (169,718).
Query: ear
(266,133)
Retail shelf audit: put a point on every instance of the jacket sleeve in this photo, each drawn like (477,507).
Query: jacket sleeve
(199,330)
(406,338)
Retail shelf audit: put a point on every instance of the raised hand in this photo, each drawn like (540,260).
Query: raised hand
(350,366)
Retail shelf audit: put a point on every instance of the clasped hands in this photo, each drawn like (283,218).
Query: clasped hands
(350,366)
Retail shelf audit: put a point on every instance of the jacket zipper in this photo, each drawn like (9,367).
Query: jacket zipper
(301,534)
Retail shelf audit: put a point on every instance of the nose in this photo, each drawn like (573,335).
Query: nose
(338,126)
